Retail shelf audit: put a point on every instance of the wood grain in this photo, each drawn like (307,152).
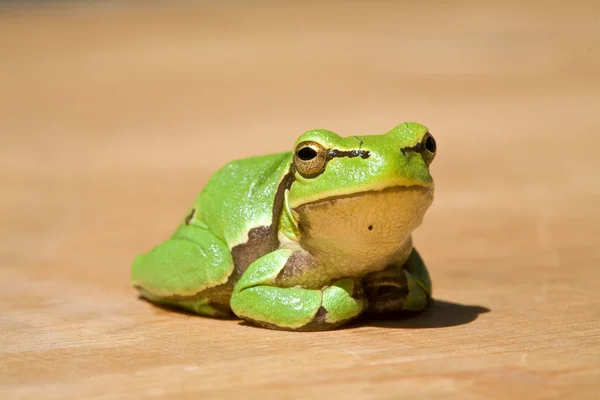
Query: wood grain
(113,117)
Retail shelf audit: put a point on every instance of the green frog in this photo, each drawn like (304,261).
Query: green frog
(304,240)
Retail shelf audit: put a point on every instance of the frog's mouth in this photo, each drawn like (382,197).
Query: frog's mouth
(384,194)
(375,222)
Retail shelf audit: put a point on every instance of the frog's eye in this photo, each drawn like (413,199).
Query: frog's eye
(429,147)
(310,159)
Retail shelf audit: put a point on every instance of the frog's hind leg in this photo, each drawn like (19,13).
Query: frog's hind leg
(399,288)
(191,271)
(205,303)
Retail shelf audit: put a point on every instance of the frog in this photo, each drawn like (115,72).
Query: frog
(303,240)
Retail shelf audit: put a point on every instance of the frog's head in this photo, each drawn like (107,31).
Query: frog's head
(362,189)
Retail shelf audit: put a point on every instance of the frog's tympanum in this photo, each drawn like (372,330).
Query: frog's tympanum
(304,240)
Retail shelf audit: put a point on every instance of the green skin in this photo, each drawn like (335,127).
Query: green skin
(303,240)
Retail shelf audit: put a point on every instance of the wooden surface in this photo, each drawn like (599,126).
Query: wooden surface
(113,117)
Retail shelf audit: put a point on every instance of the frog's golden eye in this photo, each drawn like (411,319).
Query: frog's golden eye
(428,148)
(310,159)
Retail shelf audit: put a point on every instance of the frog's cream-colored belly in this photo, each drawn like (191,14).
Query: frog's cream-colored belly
(354,235)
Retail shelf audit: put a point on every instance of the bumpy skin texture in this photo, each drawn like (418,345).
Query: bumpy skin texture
(304,240)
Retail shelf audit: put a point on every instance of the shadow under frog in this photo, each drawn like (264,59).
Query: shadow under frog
(439,314)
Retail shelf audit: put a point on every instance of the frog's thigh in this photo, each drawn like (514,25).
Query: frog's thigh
(400,288)
(257,298)
(190,271)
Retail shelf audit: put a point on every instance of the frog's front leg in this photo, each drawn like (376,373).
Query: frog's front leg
(258,298)
(396,288)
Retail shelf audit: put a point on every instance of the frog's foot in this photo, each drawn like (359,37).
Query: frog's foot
(256,299)
(191,271)
(406,288)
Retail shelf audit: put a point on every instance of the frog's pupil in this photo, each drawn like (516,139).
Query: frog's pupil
(430,144)
(306,153)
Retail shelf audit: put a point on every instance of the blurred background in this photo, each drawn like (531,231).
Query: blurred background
(113,114)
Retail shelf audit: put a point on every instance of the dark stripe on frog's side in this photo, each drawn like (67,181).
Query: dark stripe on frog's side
(285,184)
(263,239)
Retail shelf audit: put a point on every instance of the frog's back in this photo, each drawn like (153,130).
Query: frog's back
(239,196)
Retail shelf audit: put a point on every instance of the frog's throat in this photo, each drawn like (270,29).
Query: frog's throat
(366,227)
(395,199)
